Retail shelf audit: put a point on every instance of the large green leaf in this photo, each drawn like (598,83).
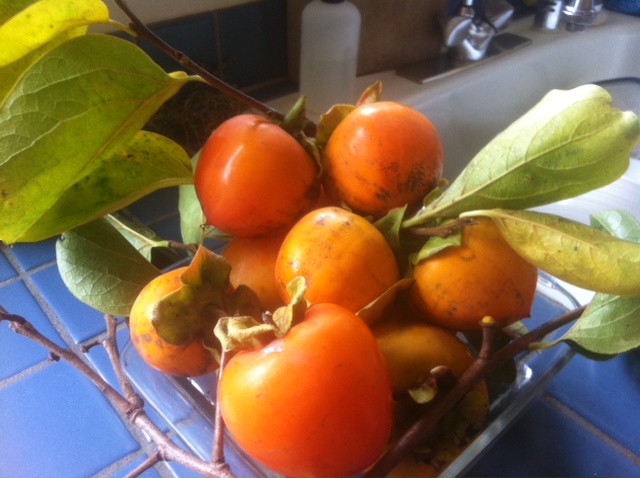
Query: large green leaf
(149,162)
(27,26)
(101,268)
(69,113)
(571,251)
(569,143)
(611,324)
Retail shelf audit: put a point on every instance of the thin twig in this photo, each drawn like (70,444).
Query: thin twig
(444,230)
(217,455)
(143,31)
(111,346)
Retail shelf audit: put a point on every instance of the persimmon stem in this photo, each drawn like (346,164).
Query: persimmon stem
(142,30)
(481,368)
(217,455)
(444,230)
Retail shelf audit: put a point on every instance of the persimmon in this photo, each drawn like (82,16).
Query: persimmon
(381,156)
(316,402)
(253,178)
(253,261)
(483,276)
(190,360)
(412,348)
(344,259)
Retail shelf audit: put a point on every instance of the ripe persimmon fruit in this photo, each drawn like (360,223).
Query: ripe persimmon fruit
(460,285)
(381,156)
(253,261)
(188,360)
(253,178)
(344,259)
(412,348)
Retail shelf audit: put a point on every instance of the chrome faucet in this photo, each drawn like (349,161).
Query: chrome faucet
(469,31)
(577,15)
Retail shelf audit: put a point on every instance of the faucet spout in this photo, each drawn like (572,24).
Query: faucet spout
(468,33)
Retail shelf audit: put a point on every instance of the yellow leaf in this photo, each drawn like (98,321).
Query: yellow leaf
(42,21)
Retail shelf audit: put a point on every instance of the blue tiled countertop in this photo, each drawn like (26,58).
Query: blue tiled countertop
(54,422)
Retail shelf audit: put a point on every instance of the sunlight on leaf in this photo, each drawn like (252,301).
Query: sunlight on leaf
(101,268)
(571,251)
(148,162)
(67,116)
(40,22)
(611,324)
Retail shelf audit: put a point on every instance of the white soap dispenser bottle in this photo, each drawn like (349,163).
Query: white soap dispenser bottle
(329,53)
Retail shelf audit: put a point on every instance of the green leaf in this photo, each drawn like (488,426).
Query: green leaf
(193,228)
(329,121)
(390,225)
(610,325)
(69,113)
(436,244)
(619,223)
(101,268)
(27,26)
(569,143)
(149,162)
(138,235)
(571,251)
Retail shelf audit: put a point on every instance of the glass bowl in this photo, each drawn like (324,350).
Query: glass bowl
(187,405)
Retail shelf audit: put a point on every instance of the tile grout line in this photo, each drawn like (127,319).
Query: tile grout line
(591,428)
(22,374)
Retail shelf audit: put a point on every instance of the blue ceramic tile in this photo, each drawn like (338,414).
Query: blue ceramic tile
(82,321)
(254,43)
(101,361)
(19,353)
(56,423)
(150,473)
(193,36)
(607,394)
(156,205)
(6,270)
(30,255)
(544,442)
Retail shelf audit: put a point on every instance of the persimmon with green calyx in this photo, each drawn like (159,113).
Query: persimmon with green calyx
(344,259)
(316,402)
(253,178)
(172,319)
(382,155)
(483,276)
